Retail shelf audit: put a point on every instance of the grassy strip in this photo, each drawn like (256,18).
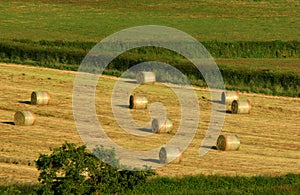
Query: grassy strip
(286,184)
(221,185)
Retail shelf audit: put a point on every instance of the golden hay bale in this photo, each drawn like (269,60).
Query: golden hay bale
(228,97)
(24,118)
(170,154)
(145,77)
(138,102)
(40,97)
(228,142)
(240,107)
(162,125)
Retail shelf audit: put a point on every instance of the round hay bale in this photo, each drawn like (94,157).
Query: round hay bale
(162,125)
(40,98)
(229,96)
(170,154)
(24,118)
(241,107)
(145,77)
(228,142)
(138,102)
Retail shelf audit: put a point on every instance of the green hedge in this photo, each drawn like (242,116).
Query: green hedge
(22,52)
(73,52)
(240,49)
(68,55)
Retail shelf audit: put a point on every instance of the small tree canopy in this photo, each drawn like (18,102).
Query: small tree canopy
(73,170)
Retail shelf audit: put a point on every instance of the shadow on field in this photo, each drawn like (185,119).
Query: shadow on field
(225,111)
(124,106)
(132,82)
(145,130)
(151,160)
(25,102)
(210,147)
(216,101)
(8,123)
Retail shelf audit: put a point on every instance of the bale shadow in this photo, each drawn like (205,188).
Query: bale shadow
(210,147)
(151,160)
(131,82)
(225,111)
(124,106)
(25,102)
(8,123)
(216,101)
(145,130)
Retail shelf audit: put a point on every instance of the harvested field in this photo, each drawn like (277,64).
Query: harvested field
(269,135)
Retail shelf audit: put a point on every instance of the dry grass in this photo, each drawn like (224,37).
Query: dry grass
(270,136)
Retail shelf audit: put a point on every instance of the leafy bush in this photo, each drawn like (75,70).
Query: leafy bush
(73,170)
(10,190)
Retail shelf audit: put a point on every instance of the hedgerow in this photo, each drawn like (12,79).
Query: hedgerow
(68,56)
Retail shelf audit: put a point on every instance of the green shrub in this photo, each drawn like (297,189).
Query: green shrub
(73,170)
(10,190)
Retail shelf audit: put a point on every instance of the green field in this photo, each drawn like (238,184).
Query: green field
(255,43)
(90,20)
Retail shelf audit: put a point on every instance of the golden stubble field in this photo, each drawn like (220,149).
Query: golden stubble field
(270,135)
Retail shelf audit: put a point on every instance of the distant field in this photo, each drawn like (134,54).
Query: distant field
(269,135)
(205,20)
(277,65)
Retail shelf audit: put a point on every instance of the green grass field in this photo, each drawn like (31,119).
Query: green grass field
(90,20)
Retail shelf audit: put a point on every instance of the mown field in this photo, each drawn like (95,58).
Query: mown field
(256,45)
(269,135)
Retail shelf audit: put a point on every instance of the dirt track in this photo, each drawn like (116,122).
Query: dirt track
(270,135)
